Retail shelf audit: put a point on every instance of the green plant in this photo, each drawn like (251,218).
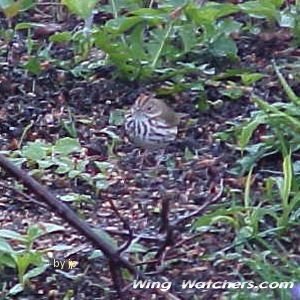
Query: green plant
(64,158)
(26,260)
(11,8)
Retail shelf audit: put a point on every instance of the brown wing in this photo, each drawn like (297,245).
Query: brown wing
(168,114)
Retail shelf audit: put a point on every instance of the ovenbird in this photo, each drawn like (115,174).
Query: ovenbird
(151,123)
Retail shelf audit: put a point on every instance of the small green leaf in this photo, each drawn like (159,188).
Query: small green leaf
(33,66)
(250,78)
(16,289)
(116,117)
(247,131)
(65,165)
(61,37)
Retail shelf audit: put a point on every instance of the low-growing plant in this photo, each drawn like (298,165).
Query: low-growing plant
(64,158)
(18,251)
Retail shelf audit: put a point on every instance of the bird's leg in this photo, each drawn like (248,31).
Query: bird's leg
(143,158)
(142,154)
(160,157)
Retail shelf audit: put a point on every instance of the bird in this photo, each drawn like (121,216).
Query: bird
(151,124)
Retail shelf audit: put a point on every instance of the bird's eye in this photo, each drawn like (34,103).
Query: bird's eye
(149,108)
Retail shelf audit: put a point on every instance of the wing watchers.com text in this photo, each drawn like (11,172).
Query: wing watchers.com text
(194,284)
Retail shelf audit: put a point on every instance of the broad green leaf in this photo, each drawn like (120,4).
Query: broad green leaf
(10,7)
(228,26)
(36,271)
(210,12)
(10,234)
(66,146)
(35,151)
(188,36)
(5,246)
(260,9)
(65,165)
(122,24)
(16,289)
(223,46)
(81,8)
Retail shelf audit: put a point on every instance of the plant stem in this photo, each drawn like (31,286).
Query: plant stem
(114,8)
(154,62)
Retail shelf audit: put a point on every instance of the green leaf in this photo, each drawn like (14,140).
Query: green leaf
(61,37)
(65,165)
(10,7)
(16,289)
(244,234)
(260,9)
(250,78)
(288,90)
(36,271)
(50,227)
(188,36)
(248,129)
(223,46)
(288,177)
(28,25)
(228,26)
(81,8)
(66,146)
(45,163)
(103,166)
(123,24)
(7,258)
(210,12)
(33,66)
(73,197)
(116,117)
(10,234)
(35,151)
(5,246)
(27,4)
(219,215)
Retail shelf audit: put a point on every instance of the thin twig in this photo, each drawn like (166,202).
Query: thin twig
(30,199)
(125,225)
(202,207)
